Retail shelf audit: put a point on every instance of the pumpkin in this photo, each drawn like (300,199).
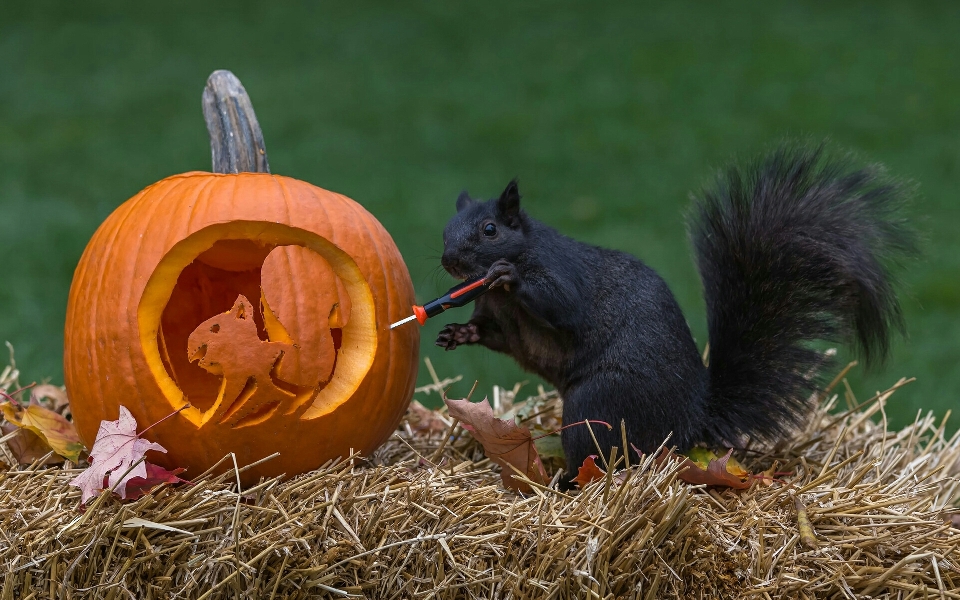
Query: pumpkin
(258,306)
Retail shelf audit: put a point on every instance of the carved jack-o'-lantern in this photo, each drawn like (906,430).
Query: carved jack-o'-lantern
(261,301)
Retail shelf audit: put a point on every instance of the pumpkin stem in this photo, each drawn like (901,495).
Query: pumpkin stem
(236,141)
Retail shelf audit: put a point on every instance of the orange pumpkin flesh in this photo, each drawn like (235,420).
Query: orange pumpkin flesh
(263,302)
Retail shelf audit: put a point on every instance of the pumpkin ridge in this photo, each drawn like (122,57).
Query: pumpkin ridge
(388,275)
(80,273)
(133,351)
(94,311)
(75,306)
(383,270)
(127,288)
(208,186)
(289,266)
(285,185)
(284,195)
(386,286)
(292,262)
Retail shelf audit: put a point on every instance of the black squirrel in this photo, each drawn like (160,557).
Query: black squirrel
(793,248)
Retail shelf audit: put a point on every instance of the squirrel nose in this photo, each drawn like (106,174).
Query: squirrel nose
(447,261)
(450,263)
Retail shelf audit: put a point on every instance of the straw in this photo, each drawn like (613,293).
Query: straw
(874,510)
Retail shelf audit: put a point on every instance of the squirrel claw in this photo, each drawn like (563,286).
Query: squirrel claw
(502,273)
(456,334)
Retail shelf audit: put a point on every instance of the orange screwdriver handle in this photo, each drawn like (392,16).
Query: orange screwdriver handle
(457,296)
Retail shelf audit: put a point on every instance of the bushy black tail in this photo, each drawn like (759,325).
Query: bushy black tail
(792,249)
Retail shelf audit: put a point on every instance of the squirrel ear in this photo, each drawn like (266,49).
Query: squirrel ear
(463,200)
(241,308)
(508,205)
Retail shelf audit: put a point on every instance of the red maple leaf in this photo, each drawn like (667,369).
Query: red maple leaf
(589,472)
(139,486)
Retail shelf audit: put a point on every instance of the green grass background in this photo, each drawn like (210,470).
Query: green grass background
(610,114)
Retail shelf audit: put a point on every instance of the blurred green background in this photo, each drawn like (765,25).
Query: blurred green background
(610,114)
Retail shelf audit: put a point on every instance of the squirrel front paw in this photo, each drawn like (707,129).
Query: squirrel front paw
(502,273)
(456,334)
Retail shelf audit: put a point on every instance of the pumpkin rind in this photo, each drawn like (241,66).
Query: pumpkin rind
(109,360)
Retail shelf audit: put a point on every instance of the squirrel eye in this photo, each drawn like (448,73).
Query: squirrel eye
(489,230)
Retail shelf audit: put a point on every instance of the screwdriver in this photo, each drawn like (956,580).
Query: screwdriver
(457,296)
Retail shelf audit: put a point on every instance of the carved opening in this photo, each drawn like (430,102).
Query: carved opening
(253,329)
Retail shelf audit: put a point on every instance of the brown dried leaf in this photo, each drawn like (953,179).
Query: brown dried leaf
(723,471)
(57,396)
(51,427)
(767,477)
(424,420)
(27,446)
(504,442)
(702,466)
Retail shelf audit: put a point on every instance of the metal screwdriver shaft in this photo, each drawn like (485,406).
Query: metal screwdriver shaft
(402,321)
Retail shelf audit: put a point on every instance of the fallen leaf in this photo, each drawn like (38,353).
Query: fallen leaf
(115,450)
(725,471)
(27,446)
(767,477)
(701,456)
(52,427)
(504,442)
(156,475)
(589,472)
(57,396)
(424,420)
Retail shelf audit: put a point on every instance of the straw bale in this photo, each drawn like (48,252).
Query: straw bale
(427,517)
